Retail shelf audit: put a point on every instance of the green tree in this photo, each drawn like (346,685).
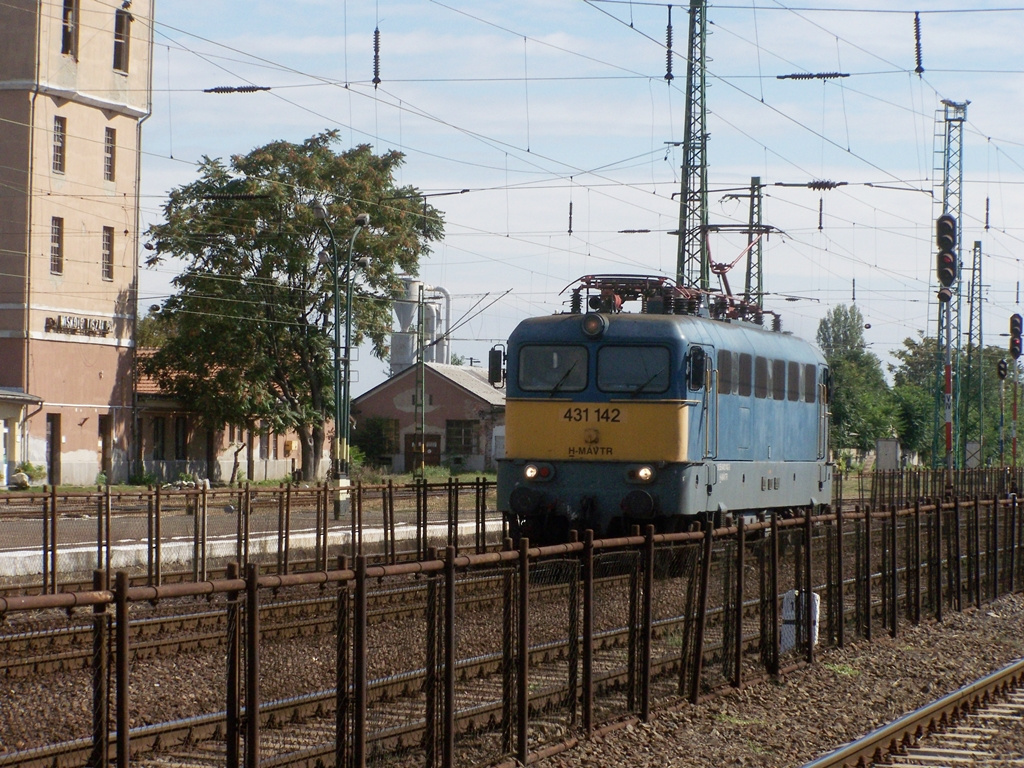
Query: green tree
(862,408)
(252,315)
(918,391)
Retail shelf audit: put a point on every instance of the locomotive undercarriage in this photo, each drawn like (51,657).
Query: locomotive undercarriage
(577,496)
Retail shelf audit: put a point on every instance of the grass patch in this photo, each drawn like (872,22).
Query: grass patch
(843,669)
(734,720)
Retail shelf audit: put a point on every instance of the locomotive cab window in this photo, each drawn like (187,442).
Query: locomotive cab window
(633,370)
(810,383)
(793,381)
(553,368)
(726,377)
(696,367)
(761,379)
(778,379)
(745,377)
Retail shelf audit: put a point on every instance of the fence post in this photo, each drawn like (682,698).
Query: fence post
(774,587)
(341,693)
(894,567)
(993,558)
(122,667)
(647,621)
(508,651)
(1013,543)
(233,703)
(101,562)
(100,664)
(808,588)
(867,574)
(917,561)
(252,670)
(976,524)
(359,662)
(282,537)
(588,632)
(47,572)
(448,747)
(841,596)
(523,654)
(741,545)
(106,530)
(702,611)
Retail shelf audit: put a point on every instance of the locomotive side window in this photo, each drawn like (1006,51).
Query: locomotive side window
(778,379)
(761,383)
(810,383)
(746,375)
(696,366)
(636,370)
(793,381)
(725,373)
(553,368)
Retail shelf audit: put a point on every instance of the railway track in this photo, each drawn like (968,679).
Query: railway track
(957,730)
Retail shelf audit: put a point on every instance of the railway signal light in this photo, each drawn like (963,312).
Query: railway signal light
(1016,324)
(1002,369)
(946,267)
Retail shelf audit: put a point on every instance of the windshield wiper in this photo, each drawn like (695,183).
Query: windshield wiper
(640,388)
(561,381)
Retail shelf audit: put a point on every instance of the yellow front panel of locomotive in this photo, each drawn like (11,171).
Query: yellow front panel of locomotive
(559,430)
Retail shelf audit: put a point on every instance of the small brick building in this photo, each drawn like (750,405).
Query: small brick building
(464,417)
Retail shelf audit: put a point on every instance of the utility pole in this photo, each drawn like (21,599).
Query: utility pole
(693,266)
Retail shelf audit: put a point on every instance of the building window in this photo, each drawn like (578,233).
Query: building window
(60,135)
(159,438)
(57,245)
(460,437)
(109,151)
(122,37)
(108,253)
(69,30)
(180,438)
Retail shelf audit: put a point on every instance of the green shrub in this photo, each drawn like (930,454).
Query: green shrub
(34,471)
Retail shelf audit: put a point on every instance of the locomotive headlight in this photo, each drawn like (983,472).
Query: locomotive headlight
(538,472)
(644,474)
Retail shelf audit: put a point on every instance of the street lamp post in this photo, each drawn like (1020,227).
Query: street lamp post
(342,403)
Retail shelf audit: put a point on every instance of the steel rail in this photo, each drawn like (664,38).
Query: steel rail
(889,739)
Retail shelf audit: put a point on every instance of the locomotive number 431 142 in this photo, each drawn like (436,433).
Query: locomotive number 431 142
(592,414)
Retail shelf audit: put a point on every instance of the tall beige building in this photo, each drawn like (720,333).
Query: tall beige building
(75,88)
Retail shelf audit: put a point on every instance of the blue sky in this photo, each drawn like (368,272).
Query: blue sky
(539,104)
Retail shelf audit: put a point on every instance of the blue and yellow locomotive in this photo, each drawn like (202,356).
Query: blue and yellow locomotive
(680,412)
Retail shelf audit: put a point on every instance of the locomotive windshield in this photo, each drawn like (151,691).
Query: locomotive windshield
(633,369)
(553,368)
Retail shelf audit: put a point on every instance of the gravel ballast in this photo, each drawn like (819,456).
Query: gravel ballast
(847,693)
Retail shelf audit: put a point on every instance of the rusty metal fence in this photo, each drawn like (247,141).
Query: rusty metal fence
(51,541)
(464,658)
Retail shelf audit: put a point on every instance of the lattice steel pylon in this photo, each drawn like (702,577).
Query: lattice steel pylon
(949,146)
(693,266)
(754,288)
(972,419)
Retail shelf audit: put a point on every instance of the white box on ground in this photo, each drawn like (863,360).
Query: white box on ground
(793,612)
